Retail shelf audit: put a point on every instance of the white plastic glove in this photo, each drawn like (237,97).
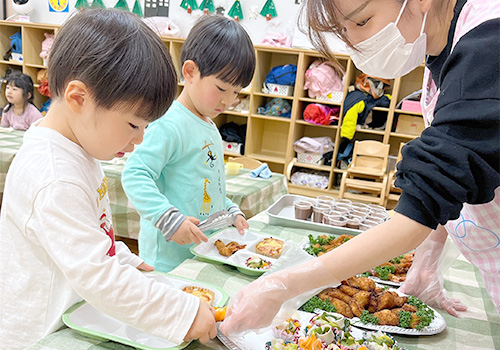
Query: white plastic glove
(275,296)
(425,281)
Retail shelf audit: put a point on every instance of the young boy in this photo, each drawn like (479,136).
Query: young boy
(176,177)
(109,75)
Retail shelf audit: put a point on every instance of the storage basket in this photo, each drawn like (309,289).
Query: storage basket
(275,89)
(18,57)
(334,96)
(311,158)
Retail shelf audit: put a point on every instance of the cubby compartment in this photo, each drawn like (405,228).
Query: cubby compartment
(8,29)
(174,46)
(32,45)
(267,139)
(271,107)
(233,148)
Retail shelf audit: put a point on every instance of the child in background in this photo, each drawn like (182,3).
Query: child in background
(176,177)
(56,238)
(20,112)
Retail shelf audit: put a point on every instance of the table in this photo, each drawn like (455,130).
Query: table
(253,195)
(476,328)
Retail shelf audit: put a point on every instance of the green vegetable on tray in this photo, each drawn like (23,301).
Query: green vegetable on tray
(316,303)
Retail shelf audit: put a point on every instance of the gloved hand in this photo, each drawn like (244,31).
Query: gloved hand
(275,296)
(425,281)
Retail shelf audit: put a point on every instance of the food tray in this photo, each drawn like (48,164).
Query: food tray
(208,252)
(92,323)
(253,340)
(282,213)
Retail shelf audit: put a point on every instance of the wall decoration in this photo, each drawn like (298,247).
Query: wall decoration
(207,6)
(253,12)
(298,2)
(154,8)
(122,5)
(137,9)
(269,10)
(81,4)
(189,5)
(58,6)
(98,3)
(220,10)
(236,12)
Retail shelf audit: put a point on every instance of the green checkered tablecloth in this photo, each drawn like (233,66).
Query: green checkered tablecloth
(253,195)
(476,328)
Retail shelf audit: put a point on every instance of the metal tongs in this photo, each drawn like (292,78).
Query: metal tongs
(217,220)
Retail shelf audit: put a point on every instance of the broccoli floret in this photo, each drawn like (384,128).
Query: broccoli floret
(316,303)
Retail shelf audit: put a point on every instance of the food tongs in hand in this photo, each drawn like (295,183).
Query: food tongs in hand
(218,220)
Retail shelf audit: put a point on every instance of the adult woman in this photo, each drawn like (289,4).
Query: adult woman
(449,176)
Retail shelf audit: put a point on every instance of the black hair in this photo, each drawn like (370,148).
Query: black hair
(118,57)
(23,82)
(220,46)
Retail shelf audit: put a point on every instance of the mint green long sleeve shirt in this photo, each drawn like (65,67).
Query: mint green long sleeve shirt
(177,171)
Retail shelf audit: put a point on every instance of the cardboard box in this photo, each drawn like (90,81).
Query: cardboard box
(410,124)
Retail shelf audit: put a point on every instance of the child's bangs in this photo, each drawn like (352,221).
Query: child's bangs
(238,72)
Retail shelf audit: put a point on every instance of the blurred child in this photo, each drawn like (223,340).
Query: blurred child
(176,177)
(20,112)
(56,237)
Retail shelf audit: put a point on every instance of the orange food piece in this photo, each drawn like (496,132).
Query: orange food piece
(310,343)
(220,313)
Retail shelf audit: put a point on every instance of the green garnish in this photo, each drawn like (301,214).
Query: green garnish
(424,312)
(367,317)
(316,303)
(404,319)
(384,271)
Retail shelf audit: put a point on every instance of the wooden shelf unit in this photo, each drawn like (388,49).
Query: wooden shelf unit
(269,139)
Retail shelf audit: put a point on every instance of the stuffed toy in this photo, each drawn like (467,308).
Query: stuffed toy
(46,46)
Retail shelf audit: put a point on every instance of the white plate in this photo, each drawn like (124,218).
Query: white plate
(208,251)
(257,341)
(91,322)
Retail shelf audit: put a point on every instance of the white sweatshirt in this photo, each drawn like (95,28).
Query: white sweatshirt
(56,248)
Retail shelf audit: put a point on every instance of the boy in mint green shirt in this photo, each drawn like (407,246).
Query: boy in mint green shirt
(175,178)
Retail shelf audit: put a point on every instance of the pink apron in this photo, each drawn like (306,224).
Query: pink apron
(477,231)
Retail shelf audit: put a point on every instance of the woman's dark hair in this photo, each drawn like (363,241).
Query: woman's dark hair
(118,57)
(23,82)
(220,46)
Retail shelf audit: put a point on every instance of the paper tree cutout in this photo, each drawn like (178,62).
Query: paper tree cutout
(189,5)
(235,11)
(207,5)
(269,10)
(122,5)
(137,9)
(98,3)
(81,4)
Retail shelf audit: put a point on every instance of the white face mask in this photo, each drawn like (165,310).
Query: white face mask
(386,55)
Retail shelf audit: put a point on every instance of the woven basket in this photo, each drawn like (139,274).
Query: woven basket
(311,158)
(335,96)
(275,89)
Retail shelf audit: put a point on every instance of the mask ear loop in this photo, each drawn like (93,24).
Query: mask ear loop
(401,12)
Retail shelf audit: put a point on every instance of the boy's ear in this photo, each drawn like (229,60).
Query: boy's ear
(189,70)
(76,94)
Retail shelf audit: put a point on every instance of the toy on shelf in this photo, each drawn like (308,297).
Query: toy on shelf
(46,46)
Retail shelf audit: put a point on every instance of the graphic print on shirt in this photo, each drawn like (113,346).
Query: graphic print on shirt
(207,201)
(107,227)
(211,155)
(464,231)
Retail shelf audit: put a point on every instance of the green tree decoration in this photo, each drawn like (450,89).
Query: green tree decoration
(236,12)
(81,4)
(137,9)
(189,5)
(98,3)
(208,6)
(269,10)
(122,5)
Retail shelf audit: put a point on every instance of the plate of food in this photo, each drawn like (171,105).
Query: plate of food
(368,305)
(90,322)
(252,253)
(392,272)
(317,330)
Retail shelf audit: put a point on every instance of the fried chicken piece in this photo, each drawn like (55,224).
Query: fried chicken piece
(348,289)
(387,318)
(362,298)
(342,307)
(415,320)
(399,300)
(372,305)
(385,301)
(336,293)
(228,249)
(410,308)
(324,294)
(356,309)
(363,283)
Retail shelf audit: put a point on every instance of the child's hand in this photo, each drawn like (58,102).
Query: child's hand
(203,327)
(189,233)
(145,267)
(241,224)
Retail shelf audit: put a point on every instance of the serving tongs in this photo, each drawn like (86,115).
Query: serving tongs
(217,220)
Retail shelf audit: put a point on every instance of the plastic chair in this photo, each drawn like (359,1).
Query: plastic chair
(248,163)
(366,178)
(393,193)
